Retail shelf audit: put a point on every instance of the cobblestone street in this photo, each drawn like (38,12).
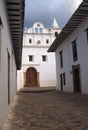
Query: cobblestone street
(48,110)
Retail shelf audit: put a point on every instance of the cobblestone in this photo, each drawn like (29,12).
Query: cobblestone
(50,110)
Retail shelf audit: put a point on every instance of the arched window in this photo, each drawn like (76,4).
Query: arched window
(40,30)
(56,34)
(47,41)
(30,40)
(36,30)
(38,42)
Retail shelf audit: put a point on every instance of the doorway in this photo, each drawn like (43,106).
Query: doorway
(76,78)
(8,63)
(61,81)
(31,77)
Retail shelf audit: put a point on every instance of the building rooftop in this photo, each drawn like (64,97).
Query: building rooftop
(79,15)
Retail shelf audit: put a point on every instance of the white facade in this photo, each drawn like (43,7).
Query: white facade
(73,75)
(8,68)
(36,41)
(82,51)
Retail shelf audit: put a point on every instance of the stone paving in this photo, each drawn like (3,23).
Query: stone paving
(48,110)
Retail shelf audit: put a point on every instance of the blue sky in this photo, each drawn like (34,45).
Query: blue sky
(45,11)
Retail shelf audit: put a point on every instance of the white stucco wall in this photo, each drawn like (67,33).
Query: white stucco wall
(5,47)
(47,70)
(82,51)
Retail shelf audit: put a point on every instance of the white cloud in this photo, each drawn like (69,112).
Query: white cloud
(77,2)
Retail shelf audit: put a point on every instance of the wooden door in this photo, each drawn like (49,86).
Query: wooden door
(76,78)
(31,77)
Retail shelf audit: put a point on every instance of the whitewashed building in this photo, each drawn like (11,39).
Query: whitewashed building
(38,66)
(11,30)
(71,49)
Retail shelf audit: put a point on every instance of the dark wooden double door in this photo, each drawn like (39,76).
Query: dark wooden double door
(31,77)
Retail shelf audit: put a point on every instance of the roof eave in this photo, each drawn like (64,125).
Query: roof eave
(15,9)
(79,15)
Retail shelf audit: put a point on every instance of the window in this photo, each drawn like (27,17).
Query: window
(30,41)
(0,34)
(87,34)
(56,34)
(8,64)
(38,42)
(44,58)
(61,82)
(74,49)
(38,25)
(61,59)
(47,41)
(31,58)
(64,80)
(36,30)
(40,30)
(0,37)
(12,60)
(0,21)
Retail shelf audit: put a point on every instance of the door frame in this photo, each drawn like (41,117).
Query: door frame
(8,63)
(36,76)
(74,67)
(61,82)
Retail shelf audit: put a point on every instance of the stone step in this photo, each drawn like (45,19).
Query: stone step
(36,89)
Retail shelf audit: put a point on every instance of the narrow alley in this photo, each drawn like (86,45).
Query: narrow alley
(43,65)
(48,110)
